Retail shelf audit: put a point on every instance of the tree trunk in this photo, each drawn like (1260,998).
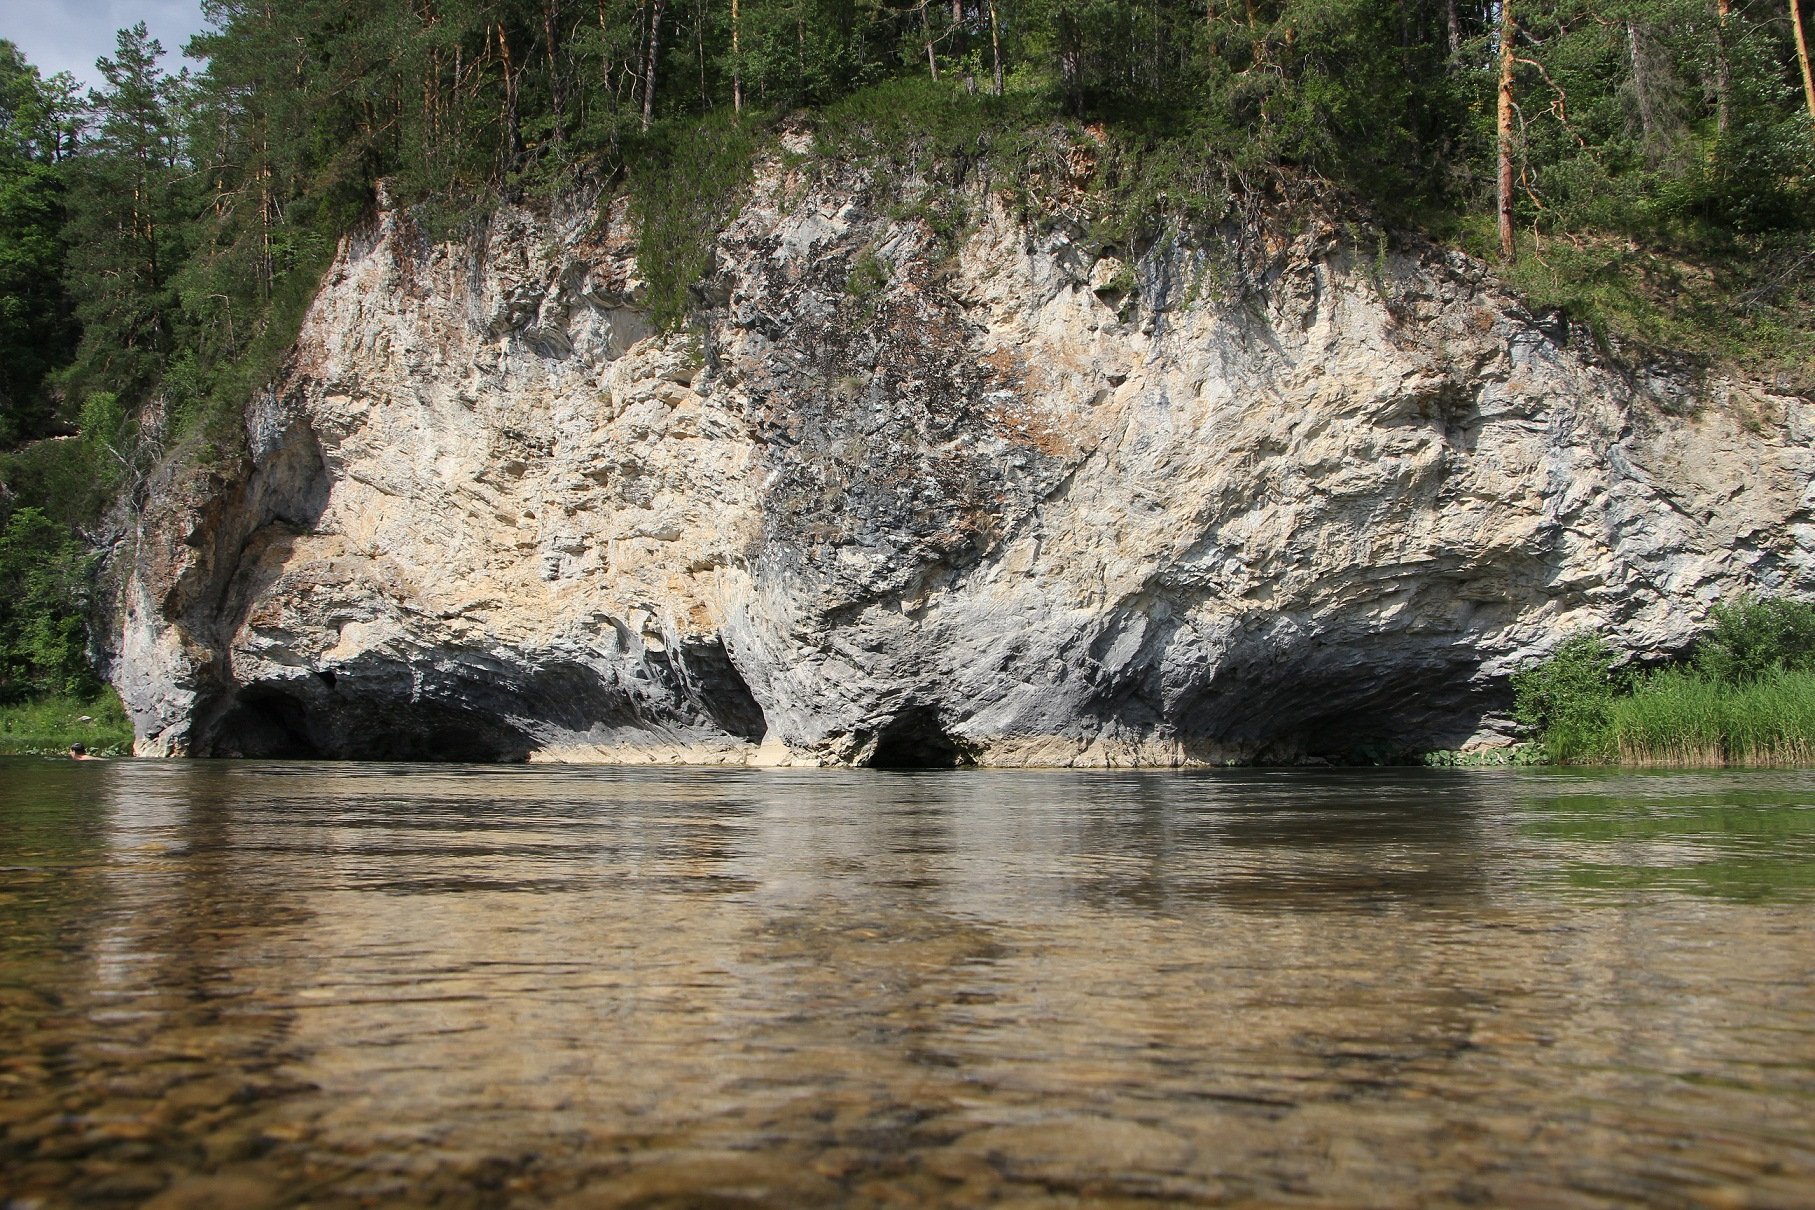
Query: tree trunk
(926,32)
(1071,64)
(267,213)
(513,130)
(557,94)
(1723,74)
(1503,125)
(1453,21)
(737,62)
(995,46)
(655,49)
(1641,93)
(1802,57)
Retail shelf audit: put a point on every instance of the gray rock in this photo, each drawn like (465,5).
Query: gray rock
(1279,500)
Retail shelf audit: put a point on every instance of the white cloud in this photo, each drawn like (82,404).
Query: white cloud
(69,35)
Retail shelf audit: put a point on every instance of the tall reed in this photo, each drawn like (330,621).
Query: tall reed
(1676,717)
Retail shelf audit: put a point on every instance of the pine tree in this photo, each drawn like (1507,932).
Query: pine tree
(127,218)
(36,328)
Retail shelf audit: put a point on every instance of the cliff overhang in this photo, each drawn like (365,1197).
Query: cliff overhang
(1018,499)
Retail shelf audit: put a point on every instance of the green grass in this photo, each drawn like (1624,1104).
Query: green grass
(48,726)
(1676,717)
(922,124)
(1744,696)
(1747,304)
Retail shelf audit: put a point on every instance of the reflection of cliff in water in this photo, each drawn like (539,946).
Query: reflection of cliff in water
(1298,842)
(799,988)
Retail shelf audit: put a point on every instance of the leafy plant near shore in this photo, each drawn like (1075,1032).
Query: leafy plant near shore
(42,638)
(47,726)
(1513,756)
(1747,696)
(1566,699)
(1752,638)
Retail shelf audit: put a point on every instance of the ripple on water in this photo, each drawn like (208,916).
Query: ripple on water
(281,984)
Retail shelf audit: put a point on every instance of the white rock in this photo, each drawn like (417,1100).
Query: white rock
(974,516)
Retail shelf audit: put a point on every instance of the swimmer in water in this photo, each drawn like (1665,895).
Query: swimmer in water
(80,752)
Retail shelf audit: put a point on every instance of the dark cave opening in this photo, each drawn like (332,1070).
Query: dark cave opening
(915,740)
(266,723)
(269,723)
(437,736)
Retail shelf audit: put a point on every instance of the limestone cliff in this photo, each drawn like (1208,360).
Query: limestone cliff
(1022,501)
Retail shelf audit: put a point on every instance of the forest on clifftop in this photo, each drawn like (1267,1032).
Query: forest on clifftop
(1645,166)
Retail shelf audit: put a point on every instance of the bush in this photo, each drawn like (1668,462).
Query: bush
(1566,700)
(59,477)
(43,642)
(1754,637)
(686,181)
(1746,698)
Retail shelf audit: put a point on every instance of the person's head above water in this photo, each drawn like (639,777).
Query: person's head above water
(78,750)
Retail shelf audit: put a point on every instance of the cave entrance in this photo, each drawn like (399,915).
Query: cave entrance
(269,723)
(915,740)
(265,724)
(433,735)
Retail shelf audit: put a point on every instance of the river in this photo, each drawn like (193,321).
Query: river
(241,984)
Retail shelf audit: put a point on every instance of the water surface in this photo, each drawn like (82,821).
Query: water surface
(242,984)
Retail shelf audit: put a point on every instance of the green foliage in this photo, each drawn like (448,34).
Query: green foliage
(1747,696)
(109,438)
(686,180)
(36,333)
(1145,184)
(58,477)
(1681,717)
(916,123)
(1747,305)
(1567,698)
(127,232)
(43,647)
(47,726)
(1755,637)
(869,276)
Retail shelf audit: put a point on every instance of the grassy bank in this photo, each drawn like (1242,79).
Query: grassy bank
(48,726)
(1745,696)
(1678,717)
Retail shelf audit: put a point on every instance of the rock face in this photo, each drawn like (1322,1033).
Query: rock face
(1024,500)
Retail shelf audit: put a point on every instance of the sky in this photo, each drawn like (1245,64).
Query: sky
(69,35)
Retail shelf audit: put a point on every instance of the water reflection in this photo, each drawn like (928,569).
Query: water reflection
(1750,838)
(285,984)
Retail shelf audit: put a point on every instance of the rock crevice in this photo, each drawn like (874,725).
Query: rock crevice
(891,503)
